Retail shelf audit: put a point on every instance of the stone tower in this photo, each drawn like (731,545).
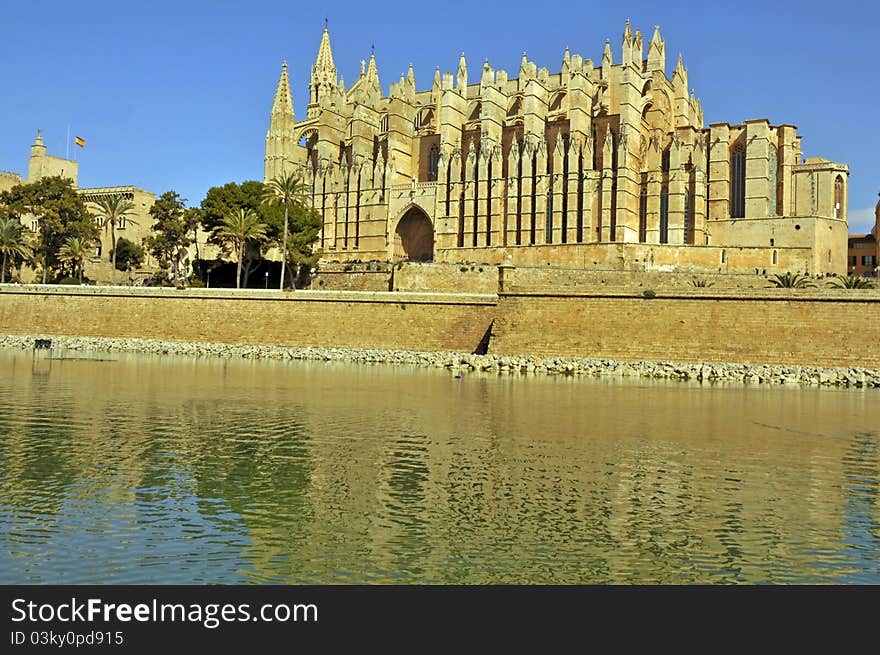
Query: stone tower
(324,79)
(280,138)
(43,165)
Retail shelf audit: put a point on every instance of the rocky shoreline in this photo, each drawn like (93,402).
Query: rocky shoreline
(461,363)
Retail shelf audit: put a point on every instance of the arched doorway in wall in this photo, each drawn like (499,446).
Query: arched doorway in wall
(414,237)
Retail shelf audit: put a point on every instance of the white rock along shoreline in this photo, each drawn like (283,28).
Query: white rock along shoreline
(461,363)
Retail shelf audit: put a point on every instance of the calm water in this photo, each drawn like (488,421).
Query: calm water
(176,470)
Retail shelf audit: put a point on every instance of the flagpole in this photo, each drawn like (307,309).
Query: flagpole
(67,156)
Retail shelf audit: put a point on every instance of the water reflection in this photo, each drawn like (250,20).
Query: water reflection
(178,470)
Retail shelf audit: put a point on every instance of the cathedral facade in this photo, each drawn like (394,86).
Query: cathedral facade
(604,165)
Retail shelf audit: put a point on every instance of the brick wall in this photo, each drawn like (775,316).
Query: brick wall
(760,327)
(325,319)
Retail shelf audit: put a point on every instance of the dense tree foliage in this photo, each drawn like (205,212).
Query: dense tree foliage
(74,253)
(237,229)
(173,231)
(60,214)
(14,246)
(221,202)
(303,223)
(111,211)
(128,253)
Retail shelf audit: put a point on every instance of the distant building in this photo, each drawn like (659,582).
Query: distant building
(605,165)
(135,227)
(864,250)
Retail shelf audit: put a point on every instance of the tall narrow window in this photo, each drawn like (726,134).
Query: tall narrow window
(839,209)
(774,191)
(643,213)
(548,223)
(664,215)
(687,217)
(738,182)
(433,163)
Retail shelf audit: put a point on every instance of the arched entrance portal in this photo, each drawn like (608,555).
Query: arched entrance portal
(414,237)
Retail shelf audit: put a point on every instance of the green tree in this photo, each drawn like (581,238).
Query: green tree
(305,225)
(288,191)
(127,253)
(111,210)
(220,201)
(74,252)
(13,243)
(60,214)
(237,229)
(172,227)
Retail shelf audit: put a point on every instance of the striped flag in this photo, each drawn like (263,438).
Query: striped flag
(81,142)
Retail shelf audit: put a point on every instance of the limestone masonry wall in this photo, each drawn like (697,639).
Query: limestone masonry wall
(758,327)
(325,319)
(751,326)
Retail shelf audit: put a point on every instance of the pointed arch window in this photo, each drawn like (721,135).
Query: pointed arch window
(839,207)
(738,181)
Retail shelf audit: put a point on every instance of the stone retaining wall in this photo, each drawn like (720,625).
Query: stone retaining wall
(778,326)
(304,318)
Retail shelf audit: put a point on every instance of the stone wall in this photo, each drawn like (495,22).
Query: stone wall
(425,322)
(483,278)
(759,327)
(453,278)
(642,257)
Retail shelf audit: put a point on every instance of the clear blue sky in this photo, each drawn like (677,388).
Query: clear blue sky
(176,95)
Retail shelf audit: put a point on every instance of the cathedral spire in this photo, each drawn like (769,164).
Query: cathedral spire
(324,60)
(283,103)
(324,79)
(372,71)
(279,138)
(607,59)
(627,46)
(657,52)
(462,77)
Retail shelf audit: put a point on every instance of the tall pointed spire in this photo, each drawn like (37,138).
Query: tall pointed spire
(324,60)
(324,78)
(283,103)
(373,71)
(279,138)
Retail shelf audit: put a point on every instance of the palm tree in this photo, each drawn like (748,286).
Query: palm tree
(852,282)
(74,252)
(112,209)
(238,227)
(790,280)
(12,242)
(286,189)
